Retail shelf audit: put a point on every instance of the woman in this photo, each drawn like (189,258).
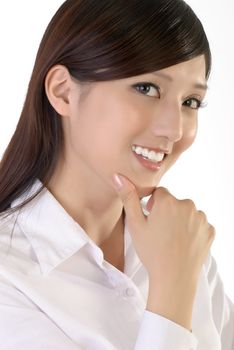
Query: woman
(112,103)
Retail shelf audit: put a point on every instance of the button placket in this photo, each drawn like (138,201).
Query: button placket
(130,292)
(124,287)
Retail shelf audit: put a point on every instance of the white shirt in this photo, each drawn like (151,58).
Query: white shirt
(57,292)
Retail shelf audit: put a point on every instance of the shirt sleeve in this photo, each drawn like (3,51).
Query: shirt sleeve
(23,327)
(157,332)
(222,307)
(29,329)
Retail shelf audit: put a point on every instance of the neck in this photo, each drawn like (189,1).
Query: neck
(90,202)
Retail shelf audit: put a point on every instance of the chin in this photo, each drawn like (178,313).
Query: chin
(145,191)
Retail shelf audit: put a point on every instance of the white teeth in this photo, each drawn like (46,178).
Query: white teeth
(145,152)
(137,150)
(153,156)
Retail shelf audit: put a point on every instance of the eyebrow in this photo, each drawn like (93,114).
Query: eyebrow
(199,86)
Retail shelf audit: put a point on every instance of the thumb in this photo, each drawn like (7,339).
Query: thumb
(131,201)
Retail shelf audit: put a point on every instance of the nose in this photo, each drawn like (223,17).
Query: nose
(167,121)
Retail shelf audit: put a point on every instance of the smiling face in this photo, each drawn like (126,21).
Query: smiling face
(154,110)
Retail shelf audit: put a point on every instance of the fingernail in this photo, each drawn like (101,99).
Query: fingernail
(117,182)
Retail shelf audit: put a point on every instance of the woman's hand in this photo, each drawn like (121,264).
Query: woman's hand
(172,242)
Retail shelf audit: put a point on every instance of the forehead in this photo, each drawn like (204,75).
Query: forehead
(192,72)
(192,69)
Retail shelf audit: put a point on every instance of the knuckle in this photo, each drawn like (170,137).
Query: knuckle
(165,199)
(162,190)
(212,232)
(202,215)
(188,203)
(164,194)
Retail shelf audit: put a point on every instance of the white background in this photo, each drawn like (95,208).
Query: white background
(205,173)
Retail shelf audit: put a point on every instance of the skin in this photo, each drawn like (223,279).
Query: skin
(101,122)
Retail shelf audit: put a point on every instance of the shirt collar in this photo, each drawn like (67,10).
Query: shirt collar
(55,236)
(51,231)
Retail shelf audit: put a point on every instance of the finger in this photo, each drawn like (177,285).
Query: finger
(131,201)
(212,233)
(157,195)
(202,215)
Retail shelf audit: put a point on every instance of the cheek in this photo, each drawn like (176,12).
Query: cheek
(101,130)
(189,135)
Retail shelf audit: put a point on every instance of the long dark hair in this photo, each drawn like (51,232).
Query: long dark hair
(97,41)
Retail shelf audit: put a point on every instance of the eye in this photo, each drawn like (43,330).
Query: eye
(193,103)
(148,89)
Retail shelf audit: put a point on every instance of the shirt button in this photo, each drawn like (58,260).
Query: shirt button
(129,292)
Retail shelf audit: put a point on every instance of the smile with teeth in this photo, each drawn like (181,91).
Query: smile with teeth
(147,154)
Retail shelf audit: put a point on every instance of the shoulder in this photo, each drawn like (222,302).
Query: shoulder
(15,249)
(7,227)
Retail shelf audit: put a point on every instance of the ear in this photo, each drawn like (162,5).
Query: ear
(58,85)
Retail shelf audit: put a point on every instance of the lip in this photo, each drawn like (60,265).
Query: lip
(148,164)
(158,150)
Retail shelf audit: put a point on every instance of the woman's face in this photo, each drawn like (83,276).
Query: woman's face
(155,111)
